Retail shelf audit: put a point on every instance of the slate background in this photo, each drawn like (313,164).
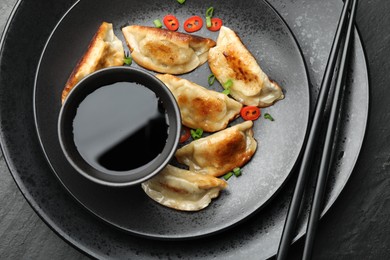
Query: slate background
(358,224)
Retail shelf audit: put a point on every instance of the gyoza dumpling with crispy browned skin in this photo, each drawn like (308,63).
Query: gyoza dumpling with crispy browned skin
(166,51)
(220,152)
(104,50)
(231,60)
(200,107)
(183,190)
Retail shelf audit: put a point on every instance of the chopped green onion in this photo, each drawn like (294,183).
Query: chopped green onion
(157,23)
(268,116)
(211,79)
(227,86)
(226,91)
(208,21)
(228,83)
(210,12)
(196,134)
(228,175)
(181,1)
(237,171)
(127,60)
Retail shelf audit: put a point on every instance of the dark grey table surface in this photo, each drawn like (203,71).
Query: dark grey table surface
(23,235)
(358,224)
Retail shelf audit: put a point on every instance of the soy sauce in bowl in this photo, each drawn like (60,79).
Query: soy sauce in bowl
(119,126)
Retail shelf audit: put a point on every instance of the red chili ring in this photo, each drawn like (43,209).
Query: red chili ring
(171,22)
(250,113)
(193,24)
(185,134)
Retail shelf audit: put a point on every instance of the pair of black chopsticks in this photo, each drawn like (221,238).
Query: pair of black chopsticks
(339,53)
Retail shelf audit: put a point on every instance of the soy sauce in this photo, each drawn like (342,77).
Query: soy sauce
(120,127)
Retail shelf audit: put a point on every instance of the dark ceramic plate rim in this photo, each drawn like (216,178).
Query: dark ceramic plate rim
(23,187)
(181,236)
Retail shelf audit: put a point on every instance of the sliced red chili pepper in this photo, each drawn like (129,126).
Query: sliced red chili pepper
(216,24)
(193,24)
(250,113)
(171,22)
(185,134)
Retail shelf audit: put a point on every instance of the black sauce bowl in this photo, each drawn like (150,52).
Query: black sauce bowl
(103,78)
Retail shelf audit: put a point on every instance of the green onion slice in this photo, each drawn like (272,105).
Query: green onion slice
(228,175)
(157,23)
(208,21)
(237,171)
(211,79)
(226,91)
(228,83)
(127,60)
(227,86)
(197,133)
(181,1)
(268,116)
(210,12)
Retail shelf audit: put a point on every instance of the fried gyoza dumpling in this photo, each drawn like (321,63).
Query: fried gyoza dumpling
(201,107)
(183,190)
(166,51)
(220,152)
(230,60)
(104,50)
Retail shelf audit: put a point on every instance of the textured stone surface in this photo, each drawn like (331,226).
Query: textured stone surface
(23,234)
(357,226)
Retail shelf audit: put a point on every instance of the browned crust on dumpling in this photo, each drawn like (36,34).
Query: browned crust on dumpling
(201,107)
(221,152)
(230,59)
(166,51)
(240,70)
(202,181)
(90,62)
(182,189)
(175,36)
(231,153)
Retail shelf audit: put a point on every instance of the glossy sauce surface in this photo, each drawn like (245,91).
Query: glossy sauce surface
(120,127)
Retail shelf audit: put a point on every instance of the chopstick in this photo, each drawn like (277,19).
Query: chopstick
(308,153)
(319,191)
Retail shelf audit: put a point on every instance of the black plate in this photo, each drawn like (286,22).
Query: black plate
(21,47)
(269,39)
